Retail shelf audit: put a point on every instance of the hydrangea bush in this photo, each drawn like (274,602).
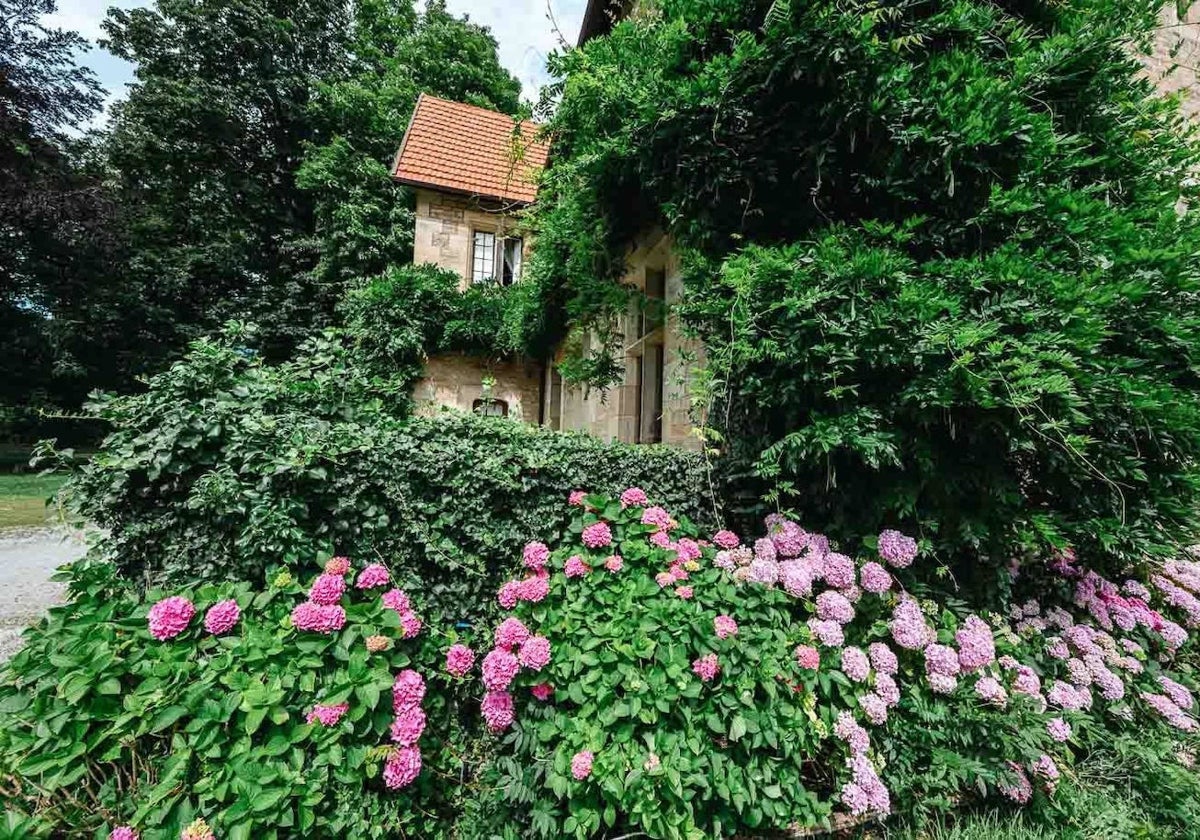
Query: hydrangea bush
(657,679)
(296,710)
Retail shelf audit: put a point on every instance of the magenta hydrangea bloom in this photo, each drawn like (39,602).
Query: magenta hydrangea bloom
(707,667)
(942,683)
(542,691)
(395,599)
(764,549)
(597,535)
(222,616)
(499,668)
(687,550)
(319,618)
(337,566)
(460,659)
(1058,729)
(834,606)
(410,624)
(408,726)
(534,653)
(659,518)
(897,550)
(510,633)
(327,589)
(874,707)
(941,659)
(408,690)
(849,730)
(123,832)
(875,578)
(634,497)
(497,710)
(170,617)
(534,588)
(725,626)
(614,563)
(808,657)
(661,539)
(886,688)
(402,767)
(789,538)
(577,497)
(1179,694)
(327,715)
(976,648)
(684,592)
(908,626)
(726,539)
(990,691)
(828,633)
(855,664)
(581,764)
(838,570)
(664,579)
(575,567)
(372,576)
(883,659)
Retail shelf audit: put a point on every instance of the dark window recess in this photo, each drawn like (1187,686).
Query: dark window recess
(490,408)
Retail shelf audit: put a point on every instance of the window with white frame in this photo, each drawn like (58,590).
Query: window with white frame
(495,259)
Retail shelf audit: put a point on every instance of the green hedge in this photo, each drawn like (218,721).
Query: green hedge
(227,466)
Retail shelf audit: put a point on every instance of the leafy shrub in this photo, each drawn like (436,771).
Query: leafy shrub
(102,724)
(226,466)
(938,254)
(695,692)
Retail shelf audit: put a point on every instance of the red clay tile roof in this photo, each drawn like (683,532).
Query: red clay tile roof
(464,149)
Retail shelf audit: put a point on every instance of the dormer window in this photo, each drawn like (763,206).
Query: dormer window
(495,259)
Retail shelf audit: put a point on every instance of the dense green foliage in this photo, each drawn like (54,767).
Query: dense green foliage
(228,465)
(941,252)
(104,725)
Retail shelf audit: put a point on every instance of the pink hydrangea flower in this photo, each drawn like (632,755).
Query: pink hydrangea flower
(687,550)
(123,832)
(1179,694)
(402,767)
(499,668)
(408,726)
(855,664)
(597,535)
(808,657)
(337,566)
(460,659)
(874,707)
(838,570)
(875,578)
(684,592)
(395,599)
(534,589)
(882,658)
(222,616)
(976,648)
(614,563)
(509,594)
(661,539)
(577,497)
(942,683)
(725,626)
(886,688)
(941,659)
(575,567)
(408,690)
(1058,729)
(410,624)
(664,579)
(327,589)
(707,667)
(789,538)
(1019,790)
(376,644)
(834,606)
(1046,770)
(765,572)
(581,764)
(828,633)
(497,710)
(634,497)
(170,617)
(658,517)
(897,550)
(542,691)
(319,618)
(764,549)
(372,576)
(510,633)
(535,555)
(534,653)
(990,691)
(908,626)
(726,539)
(849,730)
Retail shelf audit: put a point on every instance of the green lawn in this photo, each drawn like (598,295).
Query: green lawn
(23,499)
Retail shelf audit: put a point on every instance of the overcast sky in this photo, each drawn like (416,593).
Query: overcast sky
(523,29)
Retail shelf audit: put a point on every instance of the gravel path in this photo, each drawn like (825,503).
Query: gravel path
(27,559)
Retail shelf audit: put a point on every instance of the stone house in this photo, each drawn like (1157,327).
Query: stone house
(473,172)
